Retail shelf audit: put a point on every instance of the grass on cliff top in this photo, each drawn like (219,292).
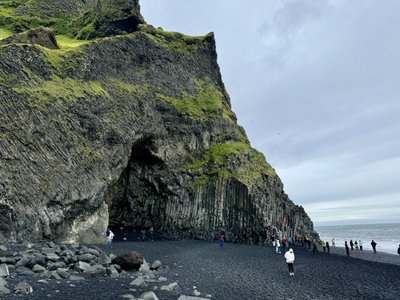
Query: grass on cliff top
(65,42)
(174,41)
(251,164)
(66,89)
(205,105)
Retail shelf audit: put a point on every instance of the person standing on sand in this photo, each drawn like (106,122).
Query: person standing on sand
(347,248)
(278,246)
(323,244)
(360,244)
(289,255)
(315,249)
(356,244)
(333,242)
(221,241)
(110,236)
(327,247)
(373,244)
(398,250)
(352,245)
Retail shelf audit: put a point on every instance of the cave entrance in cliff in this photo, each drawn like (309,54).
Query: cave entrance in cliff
(137,200)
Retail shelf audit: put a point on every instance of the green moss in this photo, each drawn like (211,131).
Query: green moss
(130,88)
(5,33)
(174,41)
(89,152)
(66,90)
(65,42)
(207,104)
(250,164)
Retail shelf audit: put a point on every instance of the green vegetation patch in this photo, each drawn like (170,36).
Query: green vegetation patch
(5,33)
(139,90)
(231,160)
(67,90)
(207,104)
(174,41)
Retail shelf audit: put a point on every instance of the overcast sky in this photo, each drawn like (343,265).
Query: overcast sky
(316,85)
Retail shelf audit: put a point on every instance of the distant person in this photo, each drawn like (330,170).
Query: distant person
(398,250)
(351,245)
(356,245)
(347,248)
(278,246)
(327,247)
(315,249)
(289,255)
(221,241)
(109,236)
(333,242)
(373,244)
(151,230)
(360,244)
(323,244)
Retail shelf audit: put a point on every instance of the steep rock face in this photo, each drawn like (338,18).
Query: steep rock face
(40,36)
(130,130)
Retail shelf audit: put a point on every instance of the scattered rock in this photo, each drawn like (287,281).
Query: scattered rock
(63,273)
(112,272)
(76,278)
(149,296)
(85,257)
(129,261)
(128,296)
(4,270)
(196,293)
(24,271)
(23,288)
(183,297)
(139,282)
(3,287)
(96,270)
(38,269)
(170,287)
(156,265)
(162,279)
(82,266)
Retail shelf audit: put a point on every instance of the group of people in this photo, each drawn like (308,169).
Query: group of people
(357,246)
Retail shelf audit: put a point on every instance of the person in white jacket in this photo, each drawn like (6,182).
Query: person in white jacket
(289,255)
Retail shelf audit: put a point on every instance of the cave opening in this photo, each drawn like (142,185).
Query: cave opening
(137,200)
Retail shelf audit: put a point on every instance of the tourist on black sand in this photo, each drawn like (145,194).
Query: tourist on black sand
(109,236)
(347,248)
(315,249)
(327,247)
(398,250)
(351,245)
(360,244)
(289,255)
(221,241)
(373,244)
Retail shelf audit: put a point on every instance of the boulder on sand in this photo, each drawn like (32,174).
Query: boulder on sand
(129,260)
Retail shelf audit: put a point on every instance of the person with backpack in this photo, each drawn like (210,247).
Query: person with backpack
(315,249)
(347,248)
(352,245)
(289,255)
(327,247)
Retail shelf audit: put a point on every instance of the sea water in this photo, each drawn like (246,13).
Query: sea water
(387,236)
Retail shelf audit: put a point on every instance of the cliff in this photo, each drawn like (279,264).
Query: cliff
(126,124)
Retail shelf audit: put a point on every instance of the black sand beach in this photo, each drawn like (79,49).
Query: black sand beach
(237,272)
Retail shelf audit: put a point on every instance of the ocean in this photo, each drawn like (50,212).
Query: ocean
(387,236)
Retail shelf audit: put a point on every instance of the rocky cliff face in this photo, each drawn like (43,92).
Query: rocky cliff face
(131,129)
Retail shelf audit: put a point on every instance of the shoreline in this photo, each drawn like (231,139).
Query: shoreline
(380,257)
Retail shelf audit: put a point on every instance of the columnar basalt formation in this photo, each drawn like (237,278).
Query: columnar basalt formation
(132,129)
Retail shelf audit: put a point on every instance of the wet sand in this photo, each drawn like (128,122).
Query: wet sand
(237,272)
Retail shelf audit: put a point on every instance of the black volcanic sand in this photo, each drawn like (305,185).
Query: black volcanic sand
(237,272)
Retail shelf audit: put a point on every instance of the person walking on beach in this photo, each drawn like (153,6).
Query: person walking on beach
(323,244)
(360,244)
(356,245)
(373,244)
(327,247)
(278,246)
(347,248)
(315,249)
(333,242)
(352,245)
(398,250)
(221,241)
(289,255)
